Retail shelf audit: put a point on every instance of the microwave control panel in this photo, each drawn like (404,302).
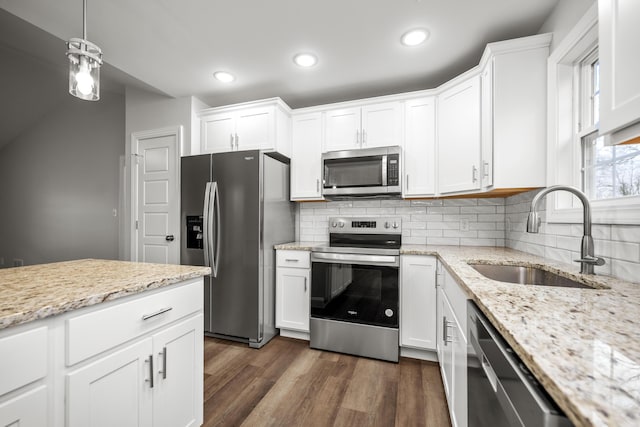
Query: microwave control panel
(393,169)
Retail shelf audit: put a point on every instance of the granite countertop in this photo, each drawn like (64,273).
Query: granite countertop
(40,291)
(583,345)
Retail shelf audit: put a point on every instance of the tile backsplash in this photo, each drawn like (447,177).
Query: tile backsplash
(468,222)
(619,245)
(482,222)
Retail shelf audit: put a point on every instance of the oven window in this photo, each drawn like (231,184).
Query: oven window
(359,172)
(355,293)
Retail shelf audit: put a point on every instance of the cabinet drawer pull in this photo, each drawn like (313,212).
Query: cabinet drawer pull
(157,313)
(150,361)
(291,260)
(305,284)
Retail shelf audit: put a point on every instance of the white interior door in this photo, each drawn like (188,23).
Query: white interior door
(157,200)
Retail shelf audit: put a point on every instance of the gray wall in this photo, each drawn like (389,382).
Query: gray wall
(60,184)
(563,18)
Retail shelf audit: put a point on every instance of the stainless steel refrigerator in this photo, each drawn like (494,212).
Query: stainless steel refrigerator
(235,207)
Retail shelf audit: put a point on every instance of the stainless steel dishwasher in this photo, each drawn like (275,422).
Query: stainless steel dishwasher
(502,392)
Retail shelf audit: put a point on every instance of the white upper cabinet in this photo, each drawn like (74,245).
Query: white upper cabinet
(261,125)
(306,152)
(514,103)
(619,33)
(369,126)
(459,137)
(420,147)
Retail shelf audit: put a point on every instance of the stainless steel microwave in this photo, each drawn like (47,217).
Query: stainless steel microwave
(373,172)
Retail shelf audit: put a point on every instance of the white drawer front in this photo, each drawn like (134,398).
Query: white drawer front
(99,330)
(295,259)
(26,410)
(23,358)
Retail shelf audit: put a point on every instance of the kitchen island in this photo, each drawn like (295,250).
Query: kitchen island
(582,345)
(101,342)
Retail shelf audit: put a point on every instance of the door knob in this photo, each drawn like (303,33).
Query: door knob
(169,238)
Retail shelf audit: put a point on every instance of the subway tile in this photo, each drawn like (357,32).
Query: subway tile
(500,243)
(490,234)
(449,241)
(311,205)
(458,218)
(366,203)
(427,202)
(495,201)
(413,210)
(477,242)
(490,217)
(394,203)
(569,243)
(478,209)
(482,225)
(381,211)
(427,217)
(327,211)
(433,225)
(443,210)
(353,211)
(626,270)
(625,233)
(460,202)
(460,233)
(414,225)
(625,251)
(414,241)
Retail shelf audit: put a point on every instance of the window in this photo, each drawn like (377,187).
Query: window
(607,171)
(577,156)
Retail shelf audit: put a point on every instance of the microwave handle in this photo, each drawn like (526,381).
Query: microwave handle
(384,170)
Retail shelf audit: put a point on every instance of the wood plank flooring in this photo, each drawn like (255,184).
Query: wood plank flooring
(288,384)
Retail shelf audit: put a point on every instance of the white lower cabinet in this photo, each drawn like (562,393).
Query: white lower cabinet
(452,347)
(293,289)
(418,302)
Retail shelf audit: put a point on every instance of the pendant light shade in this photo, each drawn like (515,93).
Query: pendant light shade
(85,59)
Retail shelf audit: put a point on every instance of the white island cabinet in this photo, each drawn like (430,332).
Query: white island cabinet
(70,359)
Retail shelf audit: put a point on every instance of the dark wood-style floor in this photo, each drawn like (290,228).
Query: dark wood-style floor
(288,384)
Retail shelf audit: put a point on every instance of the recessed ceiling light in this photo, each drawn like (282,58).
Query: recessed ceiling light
(415,37)
(224,77)
(305,59)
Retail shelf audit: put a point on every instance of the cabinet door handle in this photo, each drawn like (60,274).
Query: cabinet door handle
(305,284)
(444,330)
(157,313)
(291,260)
(358,137)
(485,172)
(150,361)
(231,141)
(237,140)
(364,137)
(474,173)
(318,186)
(163,371)
(407,182)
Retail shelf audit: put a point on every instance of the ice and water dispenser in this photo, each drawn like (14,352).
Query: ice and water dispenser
(194,232)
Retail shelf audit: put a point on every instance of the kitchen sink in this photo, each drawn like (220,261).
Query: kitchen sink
(526,275)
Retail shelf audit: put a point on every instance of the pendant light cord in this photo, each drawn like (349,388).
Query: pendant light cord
(84,19)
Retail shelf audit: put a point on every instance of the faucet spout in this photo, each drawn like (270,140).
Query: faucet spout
(587,259)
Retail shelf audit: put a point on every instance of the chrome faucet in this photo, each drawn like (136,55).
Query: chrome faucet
(587,259)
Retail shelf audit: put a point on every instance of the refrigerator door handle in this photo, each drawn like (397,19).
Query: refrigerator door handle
(216,254)
(205,223)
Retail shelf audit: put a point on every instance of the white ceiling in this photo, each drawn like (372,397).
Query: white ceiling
(175,46)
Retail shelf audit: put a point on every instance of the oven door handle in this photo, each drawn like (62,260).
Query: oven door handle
(383,260)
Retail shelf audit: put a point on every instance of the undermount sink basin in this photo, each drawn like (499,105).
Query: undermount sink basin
(526,275)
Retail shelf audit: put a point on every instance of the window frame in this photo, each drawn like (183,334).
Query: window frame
(564,132)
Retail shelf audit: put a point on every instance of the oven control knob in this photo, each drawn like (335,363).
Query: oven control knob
(334,224)
(387,224)
(395,225)
(388,312)
(341,224)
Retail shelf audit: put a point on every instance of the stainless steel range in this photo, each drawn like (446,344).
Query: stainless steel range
(354,288)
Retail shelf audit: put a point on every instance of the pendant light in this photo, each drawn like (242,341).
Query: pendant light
(85,59)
